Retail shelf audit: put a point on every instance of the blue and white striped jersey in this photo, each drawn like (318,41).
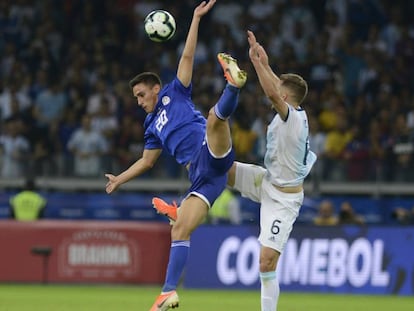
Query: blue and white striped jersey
(288,158)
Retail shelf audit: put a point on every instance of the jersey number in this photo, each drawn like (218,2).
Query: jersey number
(306,150)
(275,227)
(161,121)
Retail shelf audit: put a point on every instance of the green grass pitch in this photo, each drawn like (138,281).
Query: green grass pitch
(125,298)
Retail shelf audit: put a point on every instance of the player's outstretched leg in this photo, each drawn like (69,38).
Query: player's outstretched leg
(166,301)
(236,79)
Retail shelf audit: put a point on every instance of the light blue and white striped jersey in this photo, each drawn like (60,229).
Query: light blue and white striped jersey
(288,158)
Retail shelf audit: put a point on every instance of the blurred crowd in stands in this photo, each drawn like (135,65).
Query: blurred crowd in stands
(66,109)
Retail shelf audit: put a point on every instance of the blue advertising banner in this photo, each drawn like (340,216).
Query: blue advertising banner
(343,259)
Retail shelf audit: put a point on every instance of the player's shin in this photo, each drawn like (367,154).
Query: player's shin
(227,103)
(269,291)
(178,258)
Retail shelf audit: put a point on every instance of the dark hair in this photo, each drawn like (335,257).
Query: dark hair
(30,184)
(296,84)
(148,78)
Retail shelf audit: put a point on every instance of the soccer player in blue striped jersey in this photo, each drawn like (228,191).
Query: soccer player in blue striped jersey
(202,145)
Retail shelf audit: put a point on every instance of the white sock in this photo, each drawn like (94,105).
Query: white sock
(269,290)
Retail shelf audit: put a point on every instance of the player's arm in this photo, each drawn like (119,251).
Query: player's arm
(146,162)
(185,65)
(269,81)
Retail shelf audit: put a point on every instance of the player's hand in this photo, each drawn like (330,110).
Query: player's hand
(251,38)
(256,52)
(264,59)
(112,183)
(203,8)
(253,54)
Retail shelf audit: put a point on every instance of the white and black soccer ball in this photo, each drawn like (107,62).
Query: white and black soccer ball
(160,25)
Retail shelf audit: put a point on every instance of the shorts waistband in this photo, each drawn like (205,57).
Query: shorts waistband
(294,189)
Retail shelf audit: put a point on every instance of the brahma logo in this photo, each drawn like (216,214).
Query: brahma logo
(94,254)
(84,254)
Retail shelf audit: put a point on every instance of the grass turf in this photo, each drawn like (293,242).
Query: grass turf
(109,298)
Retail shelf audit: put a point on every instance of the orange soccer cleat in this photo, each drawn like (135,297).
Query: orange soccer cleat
(166,301)
(166,209)
(233,74)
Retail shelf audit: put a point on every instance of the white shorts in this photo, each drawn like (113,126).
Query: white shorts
(278,210)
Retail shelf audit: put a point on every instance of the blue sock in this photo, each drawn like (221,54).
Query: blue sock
(227,102)
(178,259)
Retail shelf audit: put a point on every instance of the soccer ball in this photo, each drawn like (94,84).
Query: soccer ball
(159,25)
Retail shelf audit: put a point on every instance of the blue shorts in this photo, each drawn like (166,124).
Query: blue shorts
(208,175)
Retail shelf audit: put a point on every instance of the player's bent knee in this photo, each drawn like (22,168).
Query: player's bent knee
(212,115)
(268,262)
(214,121)
(181,231)
(266,266)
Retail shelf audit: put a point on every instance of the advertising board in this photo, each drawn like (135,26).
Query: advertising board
(346,259)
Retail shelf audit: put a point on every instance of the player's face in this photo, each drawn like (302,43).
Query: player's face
(146,96)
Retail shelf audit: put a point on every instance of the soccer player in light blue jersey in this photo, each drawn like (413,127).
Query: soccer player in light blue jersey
(288,160)
(203,146)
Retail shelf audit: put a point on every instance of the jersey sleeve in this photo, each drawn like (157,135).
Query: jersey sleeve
(296,123)
(151,141)
(292,119)
(180,88)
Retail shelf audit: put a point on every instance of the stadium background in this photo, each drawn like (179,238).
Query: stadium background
(63,60)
